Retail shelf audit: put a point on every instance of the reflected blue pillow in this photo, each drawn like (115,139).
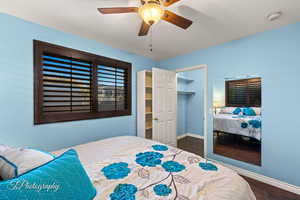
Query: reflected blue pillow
(249,112)
(237,111)
(61,178)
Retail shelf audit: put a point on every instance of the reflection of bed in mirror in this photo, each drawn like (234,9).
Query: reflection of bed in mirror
(237,121)
(241,125)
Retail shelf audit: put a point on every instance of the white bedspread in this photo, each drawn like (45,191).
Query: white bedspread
(232,124)
(190,183)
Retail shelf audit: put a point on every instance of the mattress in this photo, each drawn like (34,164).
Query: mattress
(239,125)
(148,170)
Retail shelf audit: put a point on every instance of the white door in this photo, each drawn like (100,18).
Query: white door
(164,106)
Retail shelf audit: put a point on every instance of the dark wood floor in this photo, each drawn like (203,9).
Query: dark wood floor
(232,146)
(261,190)
(191,144)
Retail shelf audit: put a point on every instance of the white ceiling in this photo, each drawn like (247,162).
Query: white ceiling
(215,22)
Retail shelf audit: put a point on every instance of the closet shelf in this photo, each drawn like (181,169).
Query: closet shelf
(148,113)
(186,79)
(186,92)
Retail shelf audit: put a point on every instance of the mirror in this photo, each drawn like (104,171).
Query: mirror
(237,127)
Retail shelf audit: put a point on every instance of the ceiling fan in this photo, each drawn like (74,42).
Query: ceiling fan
(151,11)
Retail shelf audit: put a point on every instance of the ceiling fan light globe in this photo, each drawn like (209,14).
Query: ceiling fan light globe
(151,13)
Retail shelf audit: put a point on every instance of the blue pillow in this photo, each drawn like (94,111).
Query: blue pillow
(59,179)
(249,112)
(237,111)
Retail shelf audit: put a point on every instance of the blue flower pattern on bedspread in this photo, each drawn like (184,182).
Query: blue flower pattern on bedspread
(160,147)
(116,170)
(124,192)
(173,166)
(164,187)
(150,159)
(208,166)
(244,125)
(162,190)
(255,123)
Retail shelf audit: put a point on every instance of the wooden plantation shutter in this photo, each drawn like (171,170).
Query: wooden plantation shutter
(66,84)
(112,88)
(254,92)
(236,93)
(75,85)
(243,93)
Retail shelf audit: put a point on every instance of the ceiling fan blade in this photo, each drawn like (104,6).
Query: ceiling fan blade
(176,19)
(118,10)
(144,29)
(170,2)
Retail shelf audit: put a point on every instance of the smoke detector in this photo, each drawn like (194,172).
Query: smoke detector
(274,16)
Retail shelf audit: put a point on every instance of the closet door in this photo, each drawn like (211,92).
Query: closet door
(164,106)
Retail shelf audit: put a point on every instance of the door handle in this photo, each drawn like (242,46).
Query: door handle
(155,119)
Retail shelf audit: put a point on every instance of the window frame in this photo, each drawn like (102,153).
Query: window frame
(40,117)
(247,104)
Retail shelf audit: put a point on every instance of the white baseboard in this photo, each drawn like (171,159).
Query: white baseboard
(265,179)
(191,135)
(181,136)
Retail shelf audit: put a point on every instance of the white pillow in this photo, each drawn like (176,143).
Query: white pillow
(227,110)
(17,161)
(3,148)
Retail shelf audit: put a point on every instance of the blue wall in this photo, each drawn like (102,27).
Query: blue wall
(190,107)
(181,114)
(275,56)
(16,89)
(195,108)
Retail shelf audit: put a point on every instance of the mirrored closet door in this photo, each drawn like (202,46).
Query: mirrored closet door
(237,128)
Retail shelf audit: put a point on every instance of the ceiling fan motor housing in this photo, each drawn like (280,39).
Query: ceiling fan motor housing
(151,11)
(152,1)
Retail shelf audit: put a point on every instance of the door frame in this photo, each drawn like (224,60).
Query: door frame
(205,117)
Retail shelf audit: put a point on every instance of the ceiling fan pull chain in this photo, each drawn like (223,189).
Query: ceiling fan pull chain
(151,40)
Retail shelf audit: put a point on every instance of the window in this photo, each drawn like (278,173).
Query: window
(243,93)
(74,85)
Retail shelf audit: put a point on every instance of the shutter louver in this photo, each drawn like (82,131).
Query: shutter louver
(254,92)
(243,93)
(66,84)
(112,87)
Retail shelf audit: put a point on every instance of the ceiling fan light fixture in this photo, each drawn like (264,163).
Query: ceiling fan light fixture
(151,12)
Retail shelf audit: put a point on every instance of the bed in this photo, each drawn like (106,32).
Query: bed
(144,169)
(249,126)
